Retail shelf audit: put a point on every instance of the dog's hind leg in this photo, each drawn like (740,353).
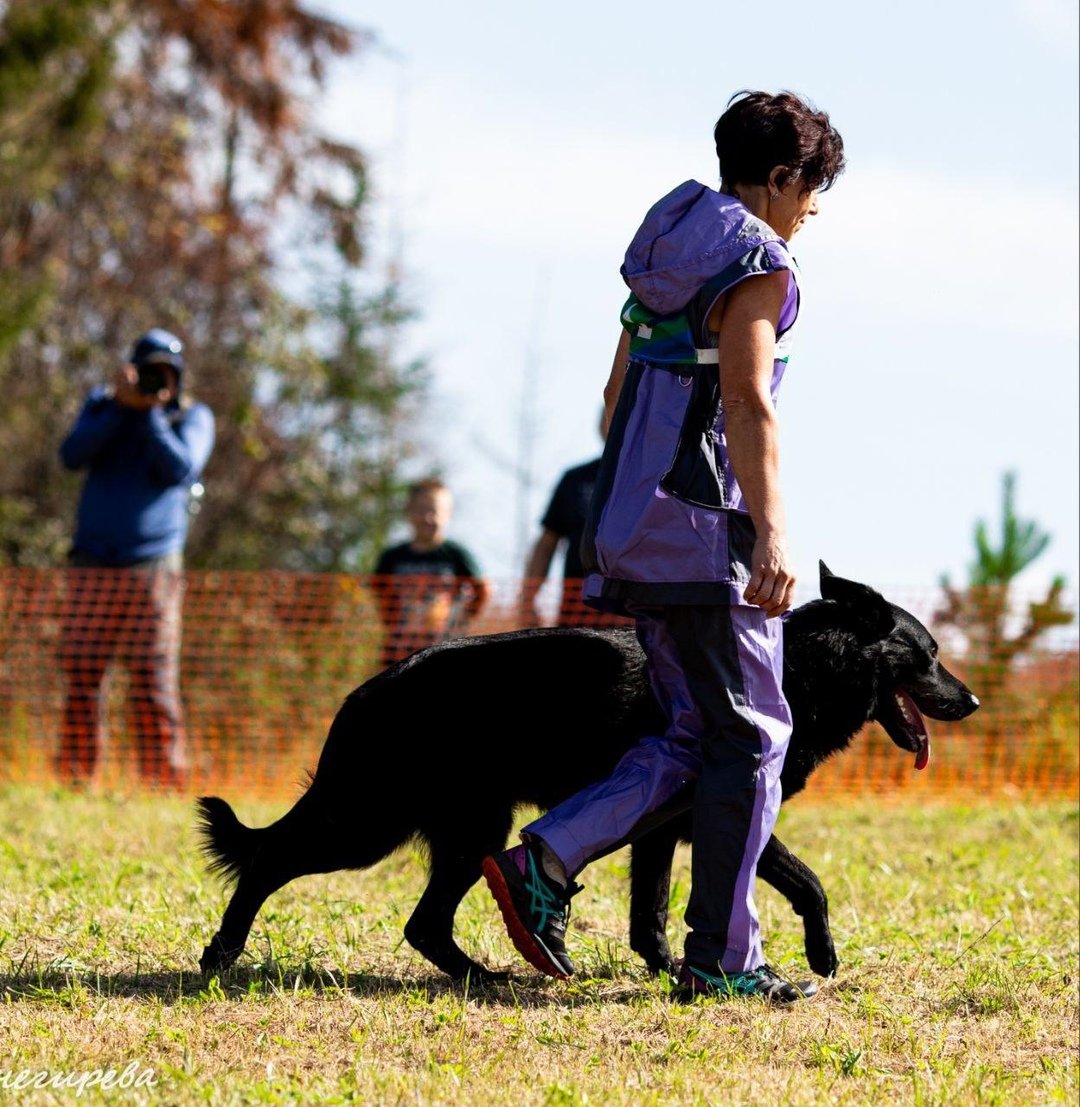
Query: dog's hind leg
(258,880)
(302,842)
(650,889)
(798,883)
(455,868)
(260,860)
(255,885)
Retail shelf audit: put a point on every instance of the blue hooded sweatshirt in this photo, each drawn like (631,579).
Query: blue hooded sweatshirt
(667,522)
(141,467)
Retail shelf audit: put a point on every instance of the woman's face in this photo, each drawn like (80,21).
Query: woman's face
(790,207)
(784,207)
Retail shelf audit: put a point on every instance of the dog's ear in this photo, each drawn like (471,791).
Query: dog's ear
(870,607)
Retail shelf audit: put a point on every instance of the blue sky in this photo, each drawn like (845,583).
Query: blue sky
(515,148)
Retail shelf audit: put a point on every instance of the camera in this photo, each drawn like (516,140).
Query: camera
(152,378)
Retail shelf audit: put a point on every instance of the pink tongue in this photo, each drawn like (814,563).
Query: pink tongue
(922,756)
(913,716)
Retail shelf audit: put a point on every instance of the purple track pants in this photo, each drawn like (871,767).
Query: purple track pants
(717,672)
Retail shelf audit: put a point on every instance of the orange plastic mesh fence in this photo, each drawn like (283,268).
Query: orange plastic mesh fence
(88,659)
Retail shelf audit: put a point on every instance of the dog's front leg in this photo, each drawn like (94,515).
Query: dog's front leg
(650,888)
(799,884)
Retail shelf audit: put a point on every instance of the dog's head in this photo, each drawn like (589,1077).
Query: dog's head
(911,681)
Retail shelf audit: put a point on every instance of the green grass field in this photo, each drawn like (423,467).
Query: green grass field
(956,928)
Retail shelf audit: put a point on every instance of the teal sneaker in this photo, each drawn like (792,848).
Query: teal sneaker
(694,982)
(534,907)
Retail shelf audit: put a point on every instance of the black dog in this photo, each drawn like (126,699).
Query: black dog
(442,747)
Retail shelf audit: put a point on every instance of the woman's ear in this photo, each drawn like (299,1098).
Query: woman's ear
(778,177)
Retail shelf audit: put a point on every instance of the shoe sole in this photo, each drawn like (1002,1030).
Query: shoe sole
(524,940)
(686,995)
(688,990)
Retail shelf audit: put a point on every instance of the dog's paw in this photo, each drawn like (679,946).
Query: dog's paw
(653,949)
(821,957)
(216,959)
(662,963)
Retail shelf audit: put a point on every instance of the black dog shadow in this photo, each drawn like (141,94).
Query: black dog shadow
(170,987)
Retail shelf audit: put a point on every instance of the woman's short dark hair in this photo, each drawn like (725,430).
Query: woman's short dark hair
(760,131)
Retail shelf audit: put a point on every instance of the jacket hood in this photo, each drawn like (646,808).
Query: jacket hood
(686,238)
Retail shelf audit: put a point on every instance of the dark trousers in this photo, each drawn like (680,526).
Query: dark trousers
(131,614)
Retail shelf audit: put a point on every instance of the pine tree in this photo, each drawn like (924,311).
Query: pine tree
(982,610)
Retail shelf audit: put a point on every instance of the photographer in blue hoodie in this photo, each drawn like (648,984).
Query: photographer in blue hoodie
(144,450)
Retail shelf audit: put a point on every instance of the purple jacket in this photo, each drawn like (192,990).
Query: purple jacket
(667,522)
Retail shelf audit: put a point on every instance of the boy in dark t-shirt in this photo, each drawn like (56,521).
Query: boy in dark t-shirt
(429,588)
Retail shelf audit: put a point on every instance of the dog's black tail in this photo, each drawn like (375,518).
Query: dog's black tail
(226,842)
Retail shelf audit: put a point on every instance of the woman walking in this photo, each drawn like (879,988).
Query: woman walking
(687,535)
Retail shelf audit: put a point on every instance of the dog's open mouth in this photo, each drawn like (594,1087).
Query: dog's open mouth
(904,724)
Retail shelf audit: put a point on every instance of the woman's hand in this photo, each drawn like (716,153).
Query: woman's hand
(772,583)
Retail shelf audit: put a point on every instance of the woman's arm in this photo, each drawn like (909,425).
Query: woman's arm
(615,380)
(747,344)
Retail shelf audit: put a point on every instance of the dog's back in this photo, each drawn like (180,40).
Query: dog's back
(512,718)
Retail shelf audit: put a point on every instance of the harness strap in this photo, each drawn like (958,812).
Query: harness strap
(704,357)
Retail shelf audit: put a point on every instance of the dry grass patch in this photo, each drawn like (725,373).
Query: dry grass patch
(956,929)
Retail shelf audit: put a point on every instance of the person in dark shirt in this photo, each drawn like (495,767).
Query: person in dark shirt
(564,523)
(429,588)
(144,450)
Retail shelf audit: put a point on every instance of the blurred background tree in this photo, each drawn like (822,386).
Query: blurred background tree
(161,168)
(983,611)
